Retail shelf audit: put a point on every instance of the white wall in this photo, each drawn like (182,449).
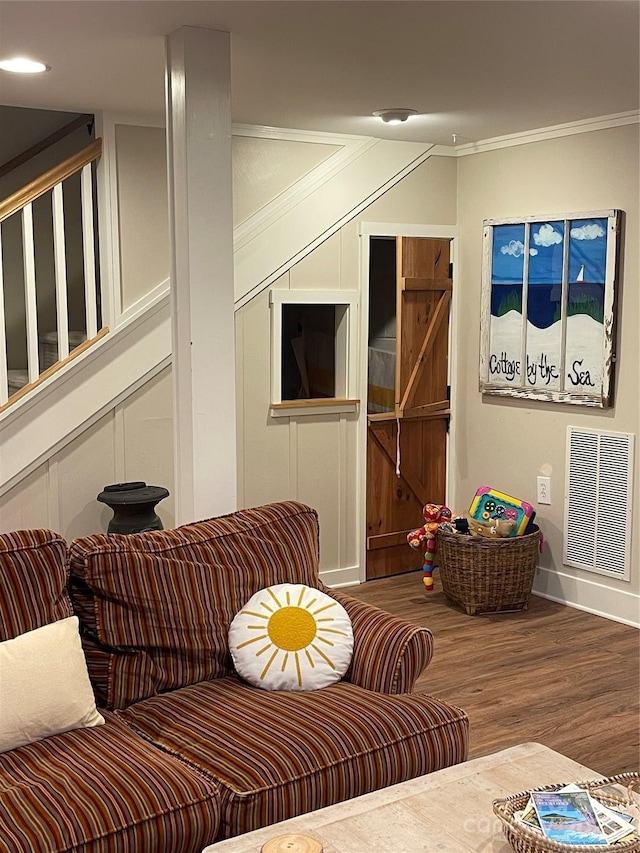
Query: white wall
(315,458)
(132,442)
(142,210)
(505,442)
(263,168)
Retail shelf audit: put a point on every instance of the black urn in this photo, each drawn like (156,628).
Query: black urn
(133,506)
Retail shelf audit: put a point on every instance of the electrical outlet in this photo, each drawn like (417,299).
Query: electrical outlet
(544,490)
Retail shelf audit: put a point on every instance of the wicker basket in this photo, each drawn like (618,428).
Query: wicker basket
(525,840)
(488,575)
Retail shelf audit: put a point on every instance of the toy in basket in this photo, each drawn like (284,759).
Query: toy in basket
(424,538)
(490,505)
(615,814)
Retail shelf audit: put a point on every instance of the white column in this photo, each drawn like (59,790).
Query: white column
(201,228)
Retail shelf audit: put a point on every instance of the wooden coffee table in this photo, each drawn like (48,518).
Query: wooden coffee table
(449,811)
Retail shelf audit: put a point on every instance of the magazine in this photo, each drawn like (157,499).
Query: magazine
(529,817)
(568,817)
(615,825)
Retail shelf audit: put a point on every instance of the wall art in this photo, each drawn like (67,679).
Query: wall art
(548,300)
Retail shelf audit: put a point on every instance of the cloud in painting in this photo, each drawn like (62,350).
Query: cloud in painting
(547,236)
(514,248)
(590,231)
(533,252)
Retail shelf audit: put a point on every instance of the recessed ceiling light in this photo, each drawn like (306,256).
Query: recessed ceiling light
(22,65)
(396,115)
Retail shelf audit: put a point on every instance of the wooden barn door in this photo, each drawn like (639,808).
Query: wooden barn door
(407,471)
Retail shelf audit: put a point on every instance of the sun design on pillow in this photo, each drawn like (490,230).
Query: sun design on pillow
(292,632)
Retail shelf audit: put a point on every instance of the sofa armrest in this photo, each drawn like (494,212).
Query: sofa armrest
(388,653)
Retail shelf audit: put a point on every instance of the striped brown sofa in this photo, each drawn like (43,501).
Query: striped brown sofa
(155,610)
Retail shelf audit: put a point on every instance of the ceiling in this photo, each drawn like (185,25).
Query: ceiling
(471,68)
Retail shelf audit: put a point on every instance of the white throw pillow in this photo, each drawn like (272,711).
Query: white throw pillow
(44,685)
(291,637)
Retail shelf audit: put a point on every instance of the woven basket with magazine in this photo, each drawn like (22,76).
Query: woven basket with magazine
(524,839)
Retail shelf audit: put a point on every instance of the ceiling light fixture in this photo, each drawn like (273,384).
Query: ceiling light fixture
(396,115)
(22,65)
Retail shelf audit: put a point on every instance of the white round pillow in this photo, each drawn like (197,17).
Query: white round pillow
(291,637)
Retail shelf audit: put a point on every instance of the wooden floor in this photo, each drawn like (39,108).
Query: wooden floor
(551,674)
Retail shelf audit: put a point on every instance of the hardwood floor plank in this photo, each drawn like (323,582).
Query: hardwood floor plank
(551,674)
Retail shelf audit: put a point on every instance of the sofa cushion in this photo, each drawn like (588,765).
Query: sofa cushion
(33,581)
(156,606)
(102,790)
(277,754)
(291,637)
(45,685)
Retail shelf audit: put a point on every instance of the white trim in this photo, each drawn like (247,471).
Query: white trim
(60,267)
(111,340)
(346,576)
(85,425)
(145,303)
(137,120)
(53,496)
(29,266)
(88,252)
(302,229)
(362,428)
(74,398)
(346,345)
(585,594)
(109,226)
(289,134)
(119,444)
(404,229)
(290,198)
(316,411)
(554,132)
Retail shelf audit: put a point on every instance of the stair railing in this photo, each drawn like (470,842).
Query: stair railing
(22,202)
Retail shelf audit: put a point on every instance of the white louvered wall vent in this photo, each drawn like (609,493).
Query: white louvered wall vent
(597,507)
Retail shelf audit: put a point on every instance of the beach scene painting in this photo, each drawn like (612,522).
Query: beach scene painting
(548,287)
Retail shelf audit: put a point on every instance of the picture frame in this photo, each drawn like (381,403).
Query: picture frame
(547,328)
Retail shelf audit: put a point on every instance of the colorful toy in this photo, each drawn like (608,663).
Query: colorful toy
(495,528)
(489,505)
(424,538)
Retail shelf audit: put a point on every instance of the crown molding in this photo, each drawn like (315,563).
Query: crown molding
(554,132)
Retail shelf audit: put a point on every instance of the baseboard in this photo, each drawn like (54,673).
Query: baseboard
(584,594)
(335,578)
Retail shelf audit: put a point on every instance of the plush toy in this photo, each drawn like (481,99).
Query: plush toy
(493,528)
(424,538)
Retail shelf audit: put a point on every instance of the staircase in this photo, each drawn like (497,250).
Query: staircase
(74,367)
(48,274)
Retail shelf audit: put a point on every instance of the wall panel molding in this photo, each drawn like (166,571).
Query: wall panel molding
(79,395)
(317,215)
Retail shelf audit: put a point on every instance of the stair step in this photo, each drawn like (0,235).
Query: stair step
(48,354)
(49,346)
(17,379)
